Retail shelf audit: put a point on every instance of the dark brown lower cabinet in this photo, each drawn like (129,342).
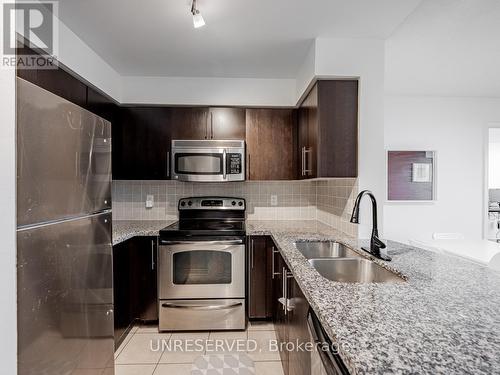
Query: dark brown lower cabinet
(260,277)
(280,314)
(291,321)
(299,360)
(134,284)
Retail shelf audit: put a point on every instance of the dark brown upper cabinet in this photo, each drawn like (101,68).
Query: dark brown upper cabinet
(101,105)
(271,138)
(57,81)
(188,122)
(226,123)
(141,144)
(328,130)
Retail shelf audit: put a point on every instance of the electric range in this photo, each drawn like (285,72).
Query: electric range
(201,280)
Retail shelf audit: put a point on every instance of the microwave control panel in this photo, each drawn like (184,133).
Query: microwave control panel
(233,163)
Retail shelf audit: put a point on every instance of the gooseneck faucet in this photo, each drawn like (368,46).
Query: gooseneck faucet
(375,243)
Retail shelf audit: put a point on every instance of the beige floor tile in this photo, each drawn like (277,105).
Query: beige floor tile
(185,351)
(173,369)
(227,342)
(134,369)
(263,341)
(124,343)
(142,349)
(260,326)
(268,368)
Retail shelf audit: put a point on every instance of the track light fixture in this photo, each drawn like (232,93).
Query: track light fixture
(198,20)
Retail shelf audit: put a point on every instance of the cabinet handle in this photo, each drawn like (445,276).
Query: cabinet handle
(211,125)
(302,155)
(152,255)
(206,127)
(168,163)
(249,166)
(307,159)
(273,272)
(251,252)
(286,276)
(283,287)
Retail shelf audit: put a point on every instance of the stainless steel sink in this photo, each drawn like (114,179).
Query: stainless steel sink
(324,249)
(353,270)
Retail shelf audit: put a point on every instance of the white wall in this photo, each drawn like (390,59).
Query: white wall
(209,91)
(456,128)
(8,341)
(75,54)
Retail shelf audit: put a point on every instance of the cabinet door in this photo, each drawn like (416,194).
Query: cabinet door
(123,314)
(307,135)
(227,123)
(189,123)
(144,258)
(258,277)
(271,137)
(141,144)
(57,81)
(280,315)
(101,105)
(299,361)
(338,128)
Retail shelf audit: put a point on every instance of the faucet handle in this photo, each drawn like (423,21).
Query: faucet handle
(378,242)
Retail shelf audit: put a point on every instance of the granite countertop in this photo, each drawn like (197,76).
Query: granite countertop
(126,229)
(444,319)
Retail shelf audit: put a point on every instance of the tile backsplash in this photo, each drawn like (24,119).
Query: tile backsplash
(329,201)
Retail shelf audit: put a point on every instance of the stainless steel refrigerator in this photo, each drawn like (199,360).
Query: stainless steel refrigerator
(64,247)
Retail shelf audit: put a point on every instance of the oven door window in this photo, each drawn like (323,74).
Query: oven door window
(198,163)
(202,267)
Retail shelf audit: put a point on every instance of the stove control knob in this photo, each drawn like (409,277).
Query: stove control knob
(183,203)
(190,203)
(233,203)
(240,203)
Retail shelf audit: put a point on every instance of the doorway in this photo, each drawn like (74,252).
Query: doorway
(492,227)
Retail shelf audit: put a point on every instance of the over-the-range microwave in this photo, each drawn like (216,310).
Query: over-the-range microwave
(208,160)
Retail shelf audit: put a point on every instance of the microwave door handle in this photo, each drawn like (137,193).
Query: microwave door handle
(224,164)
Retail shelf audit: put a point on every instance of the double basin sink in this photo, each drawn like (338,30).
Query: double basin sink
(338,262)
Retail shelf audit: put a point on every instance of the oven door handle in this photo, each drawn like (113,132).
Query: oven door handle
(230,242)
(202,307)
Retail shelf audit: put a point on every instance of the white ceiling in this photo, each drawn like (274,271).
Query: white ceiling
(447,48)
(248,39)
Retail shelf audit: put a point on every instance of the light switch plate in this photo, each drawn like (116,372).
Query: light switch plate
(274,200)
(150,201)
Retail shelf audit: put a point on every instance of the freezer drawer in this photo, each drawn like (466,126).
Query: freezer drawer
(65,296)
(206,314)
(63,158)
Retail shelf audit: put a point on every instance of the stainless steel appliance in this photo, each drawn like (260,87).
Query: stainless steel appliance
(64,253)
(201,280)
(208,160)
(325,359)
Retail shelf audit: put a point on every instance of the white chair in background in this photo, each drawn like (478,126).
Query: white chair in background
(448,236)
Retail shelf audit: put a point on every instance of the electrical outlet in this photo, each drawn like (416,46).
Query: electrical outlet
(274,200)
(150,201)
